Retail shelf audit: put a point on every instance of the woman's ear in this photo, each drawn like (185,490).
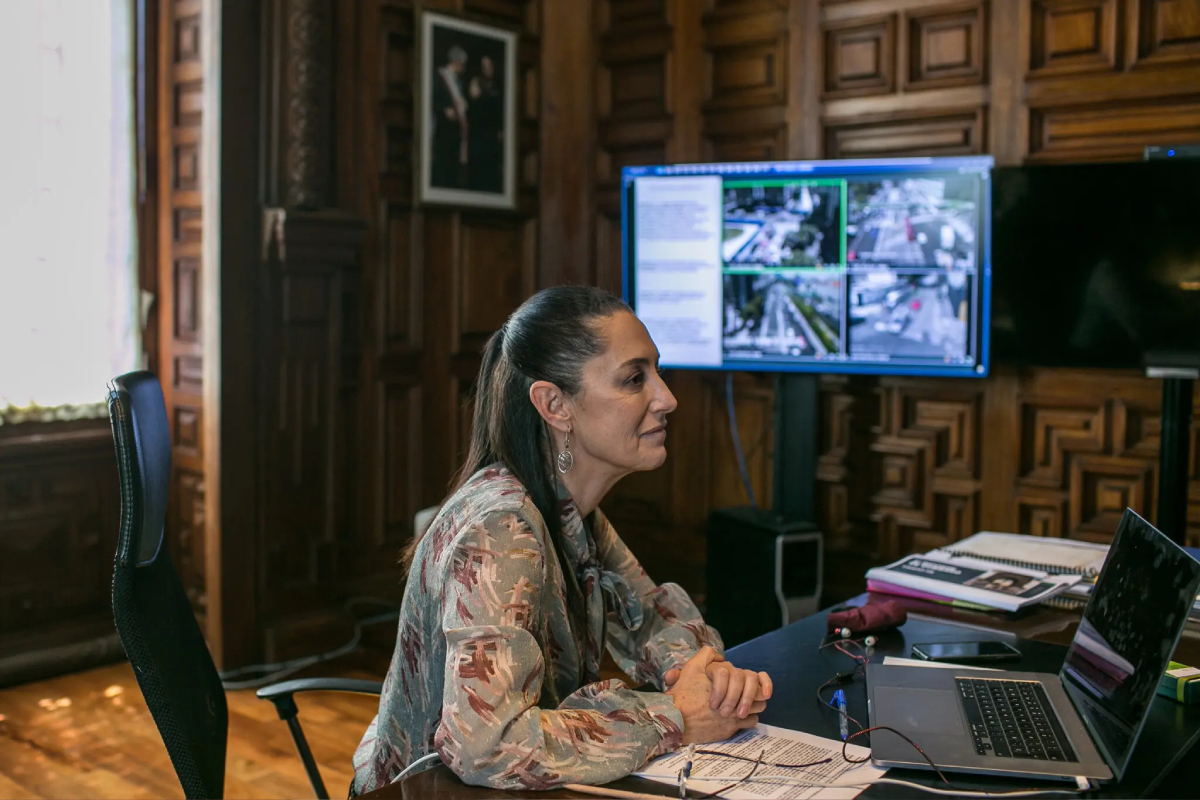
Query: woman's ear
(549,401)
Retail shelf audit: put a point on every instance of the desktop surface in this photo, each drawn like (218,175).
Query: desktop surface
(797,668)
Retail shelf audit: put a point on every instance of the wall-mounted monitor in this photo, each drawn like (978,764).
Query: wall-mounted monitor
(1098,265)
(877,266)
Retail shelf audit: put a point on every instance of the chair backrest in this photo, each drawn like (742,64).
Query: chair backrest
(154,618)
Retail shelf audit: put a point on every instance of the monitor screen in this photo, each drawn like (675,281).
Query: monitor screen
(874,266)
(1127,634)
(1097,265)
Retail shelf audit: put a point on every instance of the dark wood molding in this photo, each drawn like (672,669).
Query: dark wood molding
(566,254)
(232,459)
(48,439)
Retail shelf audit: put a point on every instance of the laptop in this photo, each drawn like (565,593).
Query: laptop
(1082,722)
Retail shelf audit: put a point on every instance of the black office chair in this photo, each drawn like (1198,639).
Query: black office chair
(154,618)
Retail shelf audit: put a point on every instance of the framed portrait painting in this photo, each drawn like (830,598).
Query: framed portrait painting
(467,108)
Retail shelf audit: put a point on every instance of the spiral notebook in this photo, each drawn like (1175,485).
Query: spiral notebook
(1054,556)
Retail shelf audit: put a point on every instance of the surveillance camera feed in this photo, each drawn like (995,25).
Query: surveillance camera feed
(875,266)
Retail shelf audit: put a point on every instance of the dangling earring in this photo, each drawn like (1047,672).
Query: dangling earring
(565,459)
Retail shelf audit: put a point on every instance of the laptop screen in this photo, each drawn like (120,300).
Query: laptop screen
(1127,635)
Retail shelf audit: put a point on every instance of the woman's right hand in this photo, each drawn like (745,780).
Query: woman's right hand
(691,695)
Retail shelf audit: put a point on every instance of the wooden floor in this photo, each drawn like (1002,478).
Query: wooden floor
(90,735)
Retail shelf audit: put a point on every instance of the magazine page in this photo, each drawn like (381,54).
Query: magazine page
(973,580)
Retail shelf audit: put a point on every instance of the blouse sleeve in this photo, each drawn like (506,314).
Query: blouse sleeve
(672,629)
(492,732)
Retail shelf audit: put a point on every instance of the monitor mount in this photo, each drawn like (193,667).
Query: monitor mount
(1177,371)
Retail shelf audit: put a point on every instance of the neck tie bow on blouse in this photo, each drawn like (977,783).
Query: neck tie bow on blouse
(597,584)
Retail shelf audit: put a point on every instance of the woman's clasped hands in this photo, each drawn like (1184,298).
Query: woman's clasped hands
(716,698)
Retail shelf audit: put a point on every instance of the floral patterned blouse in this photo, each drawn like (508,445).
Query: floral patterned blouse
(497,660)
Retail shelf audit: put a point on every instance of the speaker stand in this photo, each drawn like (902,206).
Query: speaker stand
(1173,450)
(796,446)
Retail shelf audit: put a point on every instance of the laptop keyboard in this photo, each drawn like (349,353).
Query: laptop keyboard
(1013,719)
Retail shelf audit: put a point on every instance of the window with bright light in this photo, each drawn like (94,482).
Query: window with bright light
(68,271)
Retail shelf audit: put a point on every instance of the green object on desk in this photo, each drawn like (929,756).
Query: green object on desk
(1181,683)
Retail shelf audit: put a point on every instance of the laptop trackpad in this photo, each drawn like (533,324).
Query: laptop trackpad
(918,710)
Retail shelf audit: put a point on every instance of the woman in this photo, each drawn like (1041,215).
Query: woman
(520,580)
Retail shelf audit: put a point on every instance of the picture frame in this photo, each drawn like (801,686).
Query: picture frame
(466,111)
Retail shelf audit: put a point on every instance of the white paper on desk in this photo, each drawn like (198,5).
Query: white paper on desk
(782,746)
(897,661)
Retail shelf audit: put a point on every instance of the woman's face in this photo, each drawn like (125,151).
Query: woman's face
(620,413)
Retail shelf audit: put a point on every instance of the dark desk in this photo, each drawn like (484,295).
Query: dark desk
(797,668)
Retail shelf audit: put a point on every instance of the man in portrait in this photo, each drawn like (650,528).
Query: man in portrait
(450,123)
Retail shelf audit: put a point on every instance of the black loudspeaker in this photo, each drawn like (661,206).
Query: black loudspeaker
(763,573)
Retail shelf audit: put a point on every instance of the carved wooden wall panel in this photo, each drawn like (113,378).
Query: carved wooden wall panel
(1117,132)
(744,115)
(1168,31)
(1105,79)
(946,46)
(910,464)
(633,95)
(1072,37)
(310,261)
(860,56)
(437,280)
(927,447)
(903,463)
(180,274)
(941,132)
(631,102)
(59,509)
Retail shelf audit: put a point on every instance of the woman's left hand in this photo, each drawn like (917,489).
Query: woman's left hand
(733,690)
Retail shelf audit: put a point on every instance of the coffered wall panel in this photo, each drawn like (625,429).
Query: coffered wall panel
(1111,132)
(631,98)
(910,464)
(860,56)
(1168,31)
(946,46)
(907,463)
(745,49)
(950,132)
(1072,37)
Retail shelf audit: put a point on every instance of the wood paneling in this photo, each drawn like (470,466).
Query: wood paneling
(927,447)
(947,46)
(1113,132)
(860,56)
(632,48)
(903,463)
(1168,31)
(1072,36)
(58,531)
(180,366)
(930,133)
(746,46)
(312,256)
(435,282)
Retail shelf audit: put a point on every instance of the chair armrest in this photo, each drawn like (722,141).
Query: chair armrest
(281,694)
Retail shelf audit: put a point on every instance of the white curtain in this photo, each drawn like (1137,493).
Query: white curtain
(68,267)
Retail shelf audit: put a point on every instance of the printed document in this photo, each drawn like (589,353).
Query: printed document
(782,746)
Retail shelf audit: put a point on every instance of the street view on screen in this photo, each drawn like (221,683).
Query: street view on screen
(837,266)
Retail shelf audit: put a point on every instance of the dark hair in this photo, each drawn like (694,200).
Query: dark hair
(548,338)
